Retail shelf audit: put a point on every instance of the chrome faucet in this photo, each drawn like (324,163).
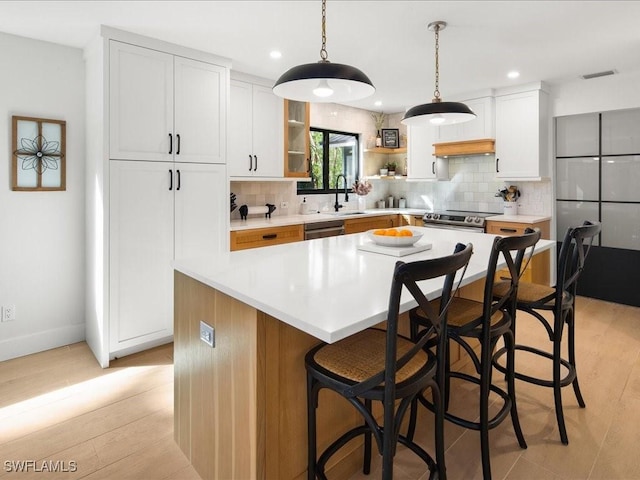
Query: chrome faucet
(337,205)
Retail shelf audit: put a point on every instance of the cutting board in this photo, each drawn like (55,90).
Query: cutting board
(394,251)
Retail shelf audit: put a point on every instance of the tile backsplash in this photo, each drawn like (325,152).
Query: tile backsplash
(472,187)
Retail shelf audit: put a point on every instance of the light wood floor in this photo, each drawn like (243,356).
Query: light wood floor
(117,423)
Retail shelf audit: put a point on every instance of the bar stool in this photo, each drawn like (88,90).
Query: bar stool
(486,322)
(535,299)
(384,366)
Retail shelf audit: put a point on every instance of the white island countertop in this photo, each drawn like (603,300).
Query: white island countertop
(327,287)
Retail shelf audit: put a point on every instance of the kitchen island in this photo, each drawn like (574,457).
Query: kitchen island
(240,407)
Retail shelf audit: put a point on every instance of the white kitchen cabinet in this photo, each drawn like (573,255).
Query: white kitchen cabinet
(483,126)
(165,107)
(150,197)
(158,211)
(421,163)
(522,126)
(255,131)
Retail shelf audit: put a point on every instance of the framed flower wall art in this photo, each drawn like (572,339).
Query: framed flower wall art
(38,154)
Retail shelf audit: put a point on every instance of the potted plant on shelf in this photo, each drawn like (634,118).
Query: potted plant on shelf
(391,168)
(510,197)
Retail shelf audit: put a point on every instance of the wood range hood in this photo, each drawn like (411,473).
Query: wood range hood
(465,148)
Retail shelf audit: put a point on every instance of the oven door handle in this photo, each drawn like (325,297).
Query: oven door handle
(454,227)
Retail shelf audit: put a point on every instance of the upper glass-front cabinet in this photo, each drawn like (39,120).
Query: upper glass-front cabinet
(296,139)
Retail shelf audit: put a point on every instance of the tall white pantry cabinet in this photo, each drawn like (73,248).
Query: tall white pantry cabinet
(157,186)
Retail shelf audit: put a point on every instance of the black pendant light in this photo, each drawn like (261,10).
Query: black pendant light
(438,112)
(323,81)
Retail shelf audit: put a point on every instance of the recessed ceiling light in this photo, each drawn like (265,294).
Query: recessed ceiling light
(275,54)
(377,103)
(513,74)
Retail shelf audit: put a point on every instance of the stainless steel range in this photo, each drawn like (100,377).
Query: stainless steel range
(452,220)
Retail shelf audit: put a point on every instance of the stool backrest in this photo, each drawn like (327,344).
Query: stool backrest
(573,253)
(507,247)
(408,275)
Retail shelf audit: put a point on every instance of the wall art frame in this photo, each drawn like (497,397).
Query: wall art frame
(390,138)
(39,154)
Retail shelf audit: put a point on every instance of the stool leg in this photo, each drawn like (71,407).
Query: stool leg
(557,389)
(366,466)
(485,381)
(572,357)
(511,387)
(312,403)
(438,406)
(413,418)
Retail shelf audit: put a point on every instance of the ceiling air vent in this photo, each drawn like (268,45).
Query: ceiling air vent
(589,76)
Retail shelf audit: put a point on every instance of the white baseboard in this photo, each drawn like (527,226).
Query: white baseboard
(39,342)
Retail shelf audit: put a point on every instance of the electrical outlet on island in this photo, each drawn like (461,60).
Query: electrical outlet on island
(8,313)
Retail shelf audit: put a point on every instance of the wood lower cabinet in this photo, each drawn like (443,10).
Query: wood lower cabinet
(539,268)
(362,224)
(263,237)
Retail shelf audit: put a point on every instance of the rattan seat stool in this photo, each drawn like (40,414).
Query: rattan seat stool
(485,322)
(381,365)
(535,299)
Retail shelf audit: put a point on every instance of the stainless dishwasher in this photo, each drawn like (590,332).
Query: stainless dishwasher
(329,228)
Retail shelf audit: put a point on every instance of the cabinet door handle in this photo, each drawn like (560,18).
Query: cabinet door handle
(270,236)
(170,179)
(508,230)
(433,167)
(255,167)
(170,143)
(497,168)
(178,148)
(178,174)
(250,163)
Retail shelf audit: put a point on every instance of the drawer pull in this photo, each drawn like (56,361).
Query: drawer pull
(508,230)
(270,236)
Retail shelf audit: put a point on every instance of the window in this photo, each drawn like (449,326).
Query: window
(332,153)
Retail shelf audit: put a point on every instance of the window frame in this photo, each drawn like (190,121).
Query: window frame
(326,132)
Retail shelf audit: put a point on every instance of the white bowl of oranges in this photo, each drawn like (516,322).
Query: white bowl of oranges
(394,237)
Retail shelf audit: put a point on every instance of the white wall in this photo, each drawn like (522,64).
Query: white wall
(615,92)
(42,253)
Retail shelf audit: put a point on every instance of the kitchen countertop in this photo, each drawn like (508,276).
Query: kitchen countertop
(283,220)
(519,218)
(327,287)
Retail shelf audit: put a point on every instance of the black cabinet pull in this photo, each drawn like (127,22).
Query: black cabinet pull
(433,167)
(497,168)
(508,230)
(270,236)
(170,143)
(250,163)
(178,149)
(178,173)
(170,179)
(255,167)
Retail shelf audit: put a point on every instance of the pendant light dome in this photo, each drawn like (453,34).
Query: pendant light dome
(438,112)
(323,81)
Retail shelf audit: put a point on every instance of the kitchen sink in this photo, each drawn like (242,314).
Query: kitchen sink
(344,214)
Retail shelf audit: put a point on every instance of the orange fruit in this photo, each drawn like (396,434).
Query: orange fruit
(379,232)
(391,233)
(405,233)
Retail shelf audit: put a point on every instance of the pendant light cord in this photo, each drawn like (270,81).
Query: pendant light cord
(436,92)
(323,51)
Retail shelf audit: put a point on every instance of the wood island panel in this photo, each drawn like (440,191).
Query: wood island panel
(240,408)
